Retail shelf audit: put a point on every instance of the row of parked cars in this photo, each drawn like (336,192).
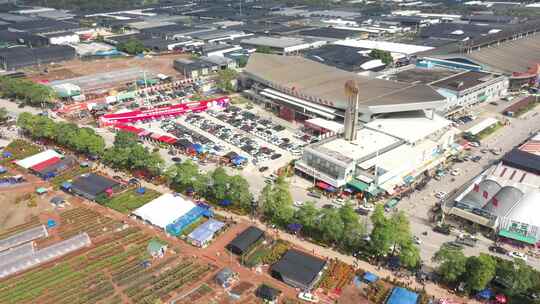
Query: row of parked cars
(464,119)
(260,127)
(193,137)
(250,146)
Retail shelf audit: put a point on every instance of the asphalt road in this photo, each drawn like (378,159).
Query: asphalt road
(417,206)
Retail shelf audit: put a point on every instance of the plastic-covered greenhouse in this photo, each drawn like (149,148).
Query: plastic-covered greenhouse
(45,255)
(176,227)
(16,253)
(23,237)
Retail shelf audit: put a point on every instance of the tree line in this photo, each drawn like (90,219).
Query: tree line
(341,227)
(128,154)
(515,278)
(231,191)
(31,93)
(69,135)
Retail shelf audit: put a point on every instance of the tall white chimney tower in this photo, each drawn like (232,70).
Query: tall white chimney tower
(351,114)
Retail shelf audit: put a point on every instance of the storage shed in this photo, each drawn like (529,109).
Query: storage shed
(245,240)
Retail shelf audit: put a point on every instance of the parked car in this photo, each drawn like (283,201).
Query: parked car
(476,158)
(314,194)
(453,245)
(308,297)
(498,249)
(454,172)
(466,241)
(262,169)
(417,240)
(298,203)
(441,194)
(474,144)
(443,229)
(517,255)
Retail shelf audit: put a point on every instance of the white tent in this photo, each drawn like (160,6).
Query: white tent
(38,158)
(164,210)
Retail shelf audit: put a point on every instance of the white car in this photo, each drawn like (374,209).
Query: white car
(306,296)
(441,194)
(339,201)
(298,203)
(454,172)
(517,255)
(367,207)
(417,240)
(474,144)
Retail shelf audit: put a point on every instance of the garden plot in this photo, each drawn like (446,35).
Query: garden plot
(116,268)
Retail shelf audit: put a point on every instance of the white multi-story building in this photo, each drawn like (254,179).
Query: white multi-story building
(470,88)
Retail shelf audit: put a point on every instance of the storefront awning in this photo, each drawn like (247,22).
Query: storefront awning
(517,236)
(326,186)
(358,185)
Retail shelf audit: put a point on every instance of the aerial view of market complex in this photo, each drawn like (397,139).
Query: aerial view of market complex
(269,151)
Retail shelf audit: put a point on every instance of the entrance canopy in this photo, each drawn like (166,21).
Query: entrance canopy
(517,236)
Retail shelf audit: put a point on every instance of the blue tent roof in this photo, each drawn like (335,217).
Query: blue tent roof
(141,190)
(7,154)
(370,277)
(198,148)
(485,294)
(66,185)
(295,227)
(191,216)
(238,160)
(205,232)
(401,295)
(225,203)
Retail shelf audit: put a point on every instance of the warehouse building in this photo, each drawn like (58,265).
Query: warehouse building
(297,89)
(513,51)
(505,197)
(245,240)
(471,88)
(21,57)
(344,58)
(282,45)
(298,269)
(91,186)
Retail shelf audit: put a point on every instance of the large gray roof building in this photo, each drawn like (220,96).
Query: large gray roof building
(315,85)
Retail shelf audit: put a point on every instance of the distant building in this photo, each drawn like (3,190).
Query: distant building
(471,87)
(282,45)
(203,66)
(62,38)
(20,57)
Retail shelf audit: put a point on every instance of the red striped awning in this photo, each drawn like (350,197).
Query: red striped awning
(44,164)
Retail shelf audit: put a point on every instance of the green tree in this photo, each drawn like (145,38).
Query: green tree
(516,276)
(480,271)
(381,235)
(220,184)
(332,225)
(409,254)
(239,193)
(225,80)
(125,139)
(384,56)
(308,215)
(3,115)
(183,176)
(132,46)
(452,264)
(276,202)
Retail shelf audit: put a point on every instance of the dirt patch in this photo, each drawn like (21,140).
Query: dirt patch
(14,214)
(352,295)
(70,69)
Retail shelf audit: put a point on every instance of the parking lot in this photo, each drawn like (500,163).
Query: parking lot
(418,205)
